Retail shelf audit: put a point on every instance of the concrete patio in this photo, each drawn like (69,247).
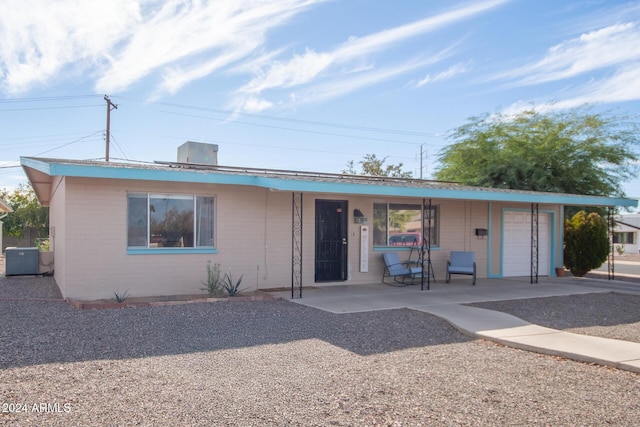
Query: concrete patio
(360,298)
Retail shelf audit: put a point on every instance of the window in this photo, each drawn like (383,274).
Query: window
(624,238)
(170,221)
(396,224)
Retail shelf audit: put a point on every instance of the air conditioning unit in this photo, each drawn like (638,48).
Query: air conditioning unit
(198,152)
(21,261)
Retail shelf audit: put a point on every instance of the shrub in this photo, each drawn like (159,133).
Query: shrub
(44,245)
(586,244)
(213,283)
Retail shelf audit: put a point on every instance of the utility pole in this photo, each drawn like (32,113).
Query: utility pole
(422,153)
(110,106)
(420,161)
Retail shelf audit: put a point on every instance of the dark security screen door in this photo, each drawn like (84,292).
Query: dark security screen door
(331,240)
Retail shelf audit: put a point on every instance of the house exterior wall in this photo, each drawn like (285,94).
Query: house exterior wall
(57,231)
(628,248)
(253,229)
(94,245)
(458,221)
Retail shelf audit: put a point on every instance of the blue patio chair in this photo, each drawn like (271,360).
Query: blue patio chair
(462,263)
(398,271)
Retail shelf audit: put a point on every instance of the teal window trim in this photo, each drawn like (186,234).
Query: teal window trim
(137,249)
(170,251)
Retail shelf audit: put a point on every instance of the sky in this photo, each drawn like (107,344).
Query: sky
(298,84)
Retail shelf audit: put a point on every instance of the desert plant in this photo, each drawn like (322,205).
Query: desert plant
(121,297)
(231,287)
(586,245)
(214,282)
(44,245)
(620,250)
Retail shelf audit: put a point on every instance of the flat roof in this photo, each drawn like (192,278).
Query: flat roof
(40,172)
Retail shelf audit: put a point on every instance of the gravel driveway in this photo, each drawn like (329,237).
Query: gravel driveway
(279,363)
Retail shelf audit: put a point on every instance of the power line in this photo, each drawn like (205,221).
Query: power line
(47,137)
(66,107)
(115,142)
(293,129)
(47,98)
(299,121)
(69,143)
(306,122)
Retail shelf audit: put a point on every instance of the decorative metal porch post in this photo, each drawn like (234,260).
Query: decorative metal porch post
(611,274)
(534,242)
(426,244)
(296,245)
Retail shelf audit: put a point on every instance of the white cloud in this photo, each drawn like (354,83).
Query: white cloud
(255,105)
(607,59)
(359,46)
(450,72)
(196,32)
(123,41)
(175,78)
(606,47)
(39,38)
(349,83)
(623,86)
(300,69)
(305,69)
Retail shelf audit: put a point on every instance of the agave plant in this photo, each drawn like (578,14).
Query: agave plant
(121,297)
(231,287)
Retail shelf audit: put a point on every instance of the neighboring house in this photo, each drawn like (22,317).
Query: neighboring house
(151,229)
(625,233)
(5,210)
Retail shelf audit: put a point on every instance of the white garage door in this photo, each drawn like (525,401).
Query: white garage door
(516,256)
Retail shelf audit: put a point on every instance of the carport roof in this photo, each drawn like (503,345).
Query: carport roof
(41,172)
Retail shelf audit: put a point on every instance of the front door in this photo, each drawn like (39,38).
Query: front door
(331,240)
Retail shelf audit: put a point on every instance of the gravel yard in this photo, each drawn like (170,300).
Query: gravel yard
(611,315)
(279,363)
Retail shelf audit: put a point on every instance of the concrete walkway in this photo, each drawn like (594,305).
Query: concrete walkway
(447,302)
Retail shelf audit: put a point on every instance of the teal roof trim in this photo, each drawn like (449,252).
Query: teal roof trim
(308,183)
(482,194)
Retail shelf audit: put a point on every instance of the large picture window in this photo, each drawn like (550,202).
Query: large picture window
(170,221)
(396,224)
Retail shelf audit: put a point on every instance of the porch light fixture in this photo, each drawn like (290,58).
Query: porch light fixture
(358,217)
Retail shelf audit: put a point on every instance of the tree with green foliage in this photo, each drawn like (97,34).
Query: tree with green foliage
(586,243)
(371,165)
(574,151)
(27,212)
